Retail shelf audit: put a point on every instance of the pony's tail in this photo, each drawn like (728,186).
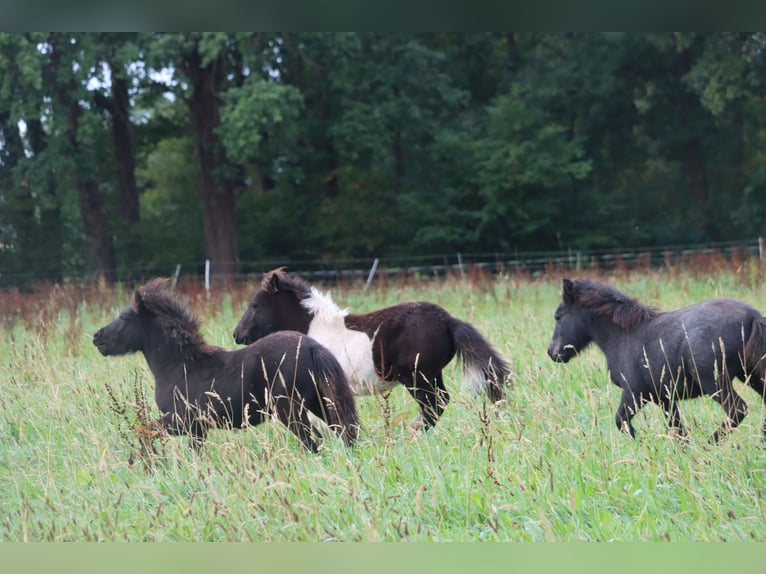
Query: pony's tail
(755,353)
(483,367)
(338,407)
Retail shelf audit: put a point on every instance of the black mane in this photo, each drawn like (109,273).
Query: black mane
(606,301)
(277,280)
(173,317)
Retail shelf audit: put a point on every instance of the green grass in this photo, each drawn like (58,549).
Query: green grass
(547,465)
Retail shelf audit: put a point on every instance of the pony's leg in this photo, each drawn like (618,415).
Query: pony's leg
(670,407)
(294,415)
(430,394)
(442,396)
(757,384)
(197,433)
(629,407)
(734,405)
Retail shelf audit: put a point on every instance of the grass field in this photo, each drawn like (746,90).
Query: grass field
(547,465)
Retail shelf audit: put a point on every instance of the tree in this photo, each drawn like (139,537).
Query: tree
(71,61)
(210,63)
(136,150)
(727,78)
(45,93)
(385,98)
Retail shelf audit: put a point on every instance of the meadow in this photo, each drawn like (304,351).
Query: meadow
(546,465)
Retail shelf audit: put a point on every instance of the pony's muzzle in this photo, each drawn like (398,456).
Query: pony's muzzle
(241,339)
(558,355)
(98,341)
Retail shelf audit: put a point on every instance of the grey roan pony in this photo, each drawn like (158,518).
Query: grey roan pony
(198,386)
(664,357)
(408,343)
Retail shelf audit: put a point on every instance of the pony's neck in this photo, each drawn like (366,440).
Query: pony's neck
(606,334)
(163,354)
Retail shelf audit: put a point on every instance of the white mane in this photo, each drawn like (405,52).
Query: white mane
(323,308)
(353,349)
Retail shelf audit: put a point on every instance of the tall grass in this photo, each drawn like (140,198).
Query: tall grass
(549,464)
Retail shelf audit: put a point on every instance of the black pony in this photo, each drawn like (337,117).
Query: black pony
(409,343)
(198,386)
(664,357)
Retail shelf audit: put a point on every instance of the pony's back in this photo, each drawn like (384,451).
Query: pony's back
(315,376)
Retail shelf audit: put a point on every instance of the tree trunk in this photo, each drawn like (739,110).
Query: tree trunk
(512,51)
(96,227)
(92,210)
(23,263)
(218,198)
(695,173)
(331,169)
(123,146)
(691,156)
(95,224)
(399,169)
(44,246)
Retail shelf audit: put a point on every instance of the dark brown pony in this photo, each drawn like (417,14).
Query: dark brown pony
(409,343)
(664,357)
(198,386)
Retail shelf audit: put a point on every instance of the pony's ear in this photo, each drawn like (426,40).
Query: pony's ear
(138,301)
(270,282)
(567,291)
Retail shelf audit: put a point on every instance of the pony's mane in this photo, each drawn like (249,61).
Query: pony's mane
(318,304)
(173,317)
(278,280)
(606,301)
(321,306)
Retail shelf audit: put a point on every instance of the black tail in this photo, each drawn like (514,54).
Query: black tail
(338,406)
(483,366)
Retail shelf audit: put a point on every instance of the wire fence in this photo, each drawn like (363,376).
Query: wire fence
(516,262)
(351,269)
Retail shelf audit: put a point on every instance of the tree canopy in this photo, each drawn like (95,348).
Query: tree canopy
(121,153)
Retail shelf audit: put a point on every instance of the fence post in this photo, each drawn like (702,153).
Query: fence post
(371,274)
(460,265)
(175,276)
(207,278)
(760,248)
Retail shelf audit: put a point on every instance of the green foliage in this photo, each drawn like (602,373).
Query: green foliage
(171,215)
(525,164)
(384,144)
(259,112)
(41,226)
(275,225)
(395,97)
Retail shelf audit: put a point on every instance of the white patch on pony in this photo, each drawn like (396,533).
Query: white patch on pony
(352,349)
